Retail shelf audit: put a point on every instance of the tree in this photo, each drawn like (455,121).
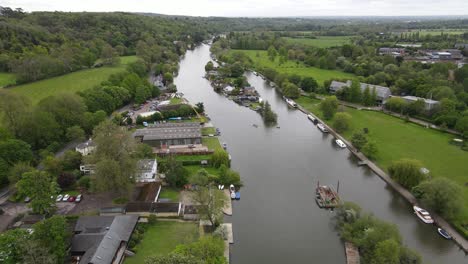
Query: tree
(342,122)
(209,66)
(228,176)
(210,203)
(359,140)
(12,245)
(201,178)
(395,104)
(237,70)
(109,55)
(387,251)
(329,106)
(355,95)
(75,133)
(367,99)
(269,117)
(290,90)
(53,234)
(415,108)
(370,149)
(309,84)
(409,256)
(462,125)
(13,151)
(176,174)
(209,249)
(17,171)
(71,160)
(219,158)
(39,186)
(200,107)
(441,195)
(272,53)
(67,109)
(66,180)
(14,108)
(168,78)
(407,172)
(115,166)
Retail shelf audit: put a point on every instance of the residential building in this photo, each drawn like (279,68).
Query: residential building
(429,104)
(382,92)
(395,52)
(102,239)
(86,148)
(168,134)
(147,170)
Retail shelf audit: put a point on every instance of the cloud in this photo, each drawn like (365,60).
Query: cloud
(254,7)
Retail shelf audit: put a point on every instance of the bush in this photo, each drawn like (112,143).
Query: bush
(152,219)
(359,140)
(66,180)
(219,158)
(329,106)
(342,122)
(84,182)
(407,172)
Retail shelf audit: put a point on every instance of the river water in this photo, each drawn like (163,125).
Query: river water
(277,220)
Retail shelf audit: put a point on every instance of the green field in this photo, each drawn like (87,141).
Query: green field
(162,238)
(170,193)
(212,143)
(72,82)
(321,41)
(175,100)
(397,139)
(208,130)
(7,79)
(293,67)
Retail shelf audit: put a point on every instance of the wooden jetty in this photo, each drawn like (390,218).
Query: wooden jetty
(352,254)
(326,196)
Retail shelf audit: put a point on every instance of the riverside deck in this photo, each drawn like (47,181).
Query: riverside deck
(352,254)
(438,220)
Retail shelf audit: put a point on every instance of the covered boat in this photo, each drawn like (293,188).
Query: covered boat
(423,215)
(444,233)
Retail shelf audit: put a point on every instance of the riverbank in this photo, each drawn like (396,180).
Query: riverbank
(457,237)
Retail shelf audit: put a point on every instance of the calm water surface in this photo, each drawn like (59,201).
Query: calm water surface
(277,220)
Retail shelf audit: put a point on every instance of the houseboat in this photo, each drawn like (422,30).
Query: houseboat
(423,215)
(322,128)
(326,196)
(313,119)
(290,102)
(340,143)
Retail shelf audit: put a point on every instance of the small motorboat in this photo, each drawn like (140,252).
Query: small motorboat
(444,233)
(290,102)
(311,118)
(255,125)
(232,188)
(340,143)
(233,195)
(224,146)
(322,128)
(237,195)
(423,215)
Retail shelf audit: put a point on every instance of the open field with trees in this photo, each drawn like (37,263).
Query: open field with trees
(161,238)
(397,139)
(321,41)
(261,60)
(7,79)
(72,82)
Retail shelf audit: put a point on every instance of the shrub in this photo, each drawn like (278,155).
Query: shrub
(407,172)
(342,122)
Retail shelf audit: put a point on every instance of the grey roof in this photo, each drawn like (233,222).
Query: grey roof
(382,91)
(146,165)
(170,131)
(101,236)
(415,98)
(86,144)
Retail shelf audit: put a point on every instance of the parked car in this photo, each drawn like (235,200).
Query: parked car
(78,198)
(65,198)
(59,198)
(72,199)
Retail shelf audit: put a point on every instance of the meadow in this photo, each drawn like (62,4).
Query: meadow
(320,41)
(261,60)
(71,82)
(7,79)
(397,139)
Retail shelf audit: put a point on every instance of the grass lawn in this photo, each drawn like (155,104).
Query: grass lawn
(175,100)
(307,102)
(193,157)
(208,130)
(293,67)
(212,143)
(321,41)
(397,139)
(193,169)
(170,193)
(7,79)
(162,238)
(72,82)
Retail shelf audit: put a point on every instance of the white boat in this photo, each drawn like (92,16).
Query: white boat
(340,143)
(444,233)
(233,191)
(291,103)
(322,128)
(311,118)
(224,145)
(423,215)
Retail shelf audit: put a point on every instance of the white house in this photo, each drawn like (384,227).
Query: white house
(86,148)
(147,170)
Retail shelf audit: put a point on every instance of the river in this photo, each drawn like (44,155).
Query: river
(277,219)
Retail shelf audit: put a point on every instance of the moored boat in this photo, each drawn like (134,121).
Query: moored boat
(326,196)
(444,233)
(322,128)
(423,215)
(340,143)
(237,195)
(232,190)
(224,145)
(313,119)
(290,102)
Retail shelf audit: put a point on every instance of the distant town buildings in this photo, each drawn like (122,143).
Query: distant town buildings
(395,52)
(163,135)
(382,92)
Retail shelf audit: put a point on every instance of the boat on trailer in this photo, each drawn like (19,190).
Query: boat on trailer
(326,196)
(423,215)
(444,233)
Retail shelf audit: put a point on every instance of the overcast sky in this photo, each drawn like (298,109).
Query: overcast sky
(264,8)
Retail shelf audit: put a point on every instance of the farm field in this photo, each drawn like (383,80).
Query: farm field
(72,82)
(439,156)
(161,238)
(321,41)
(7,79)
(292,67)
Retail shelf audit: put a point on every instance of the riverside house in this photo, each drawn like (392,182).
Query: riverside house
(383,93)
